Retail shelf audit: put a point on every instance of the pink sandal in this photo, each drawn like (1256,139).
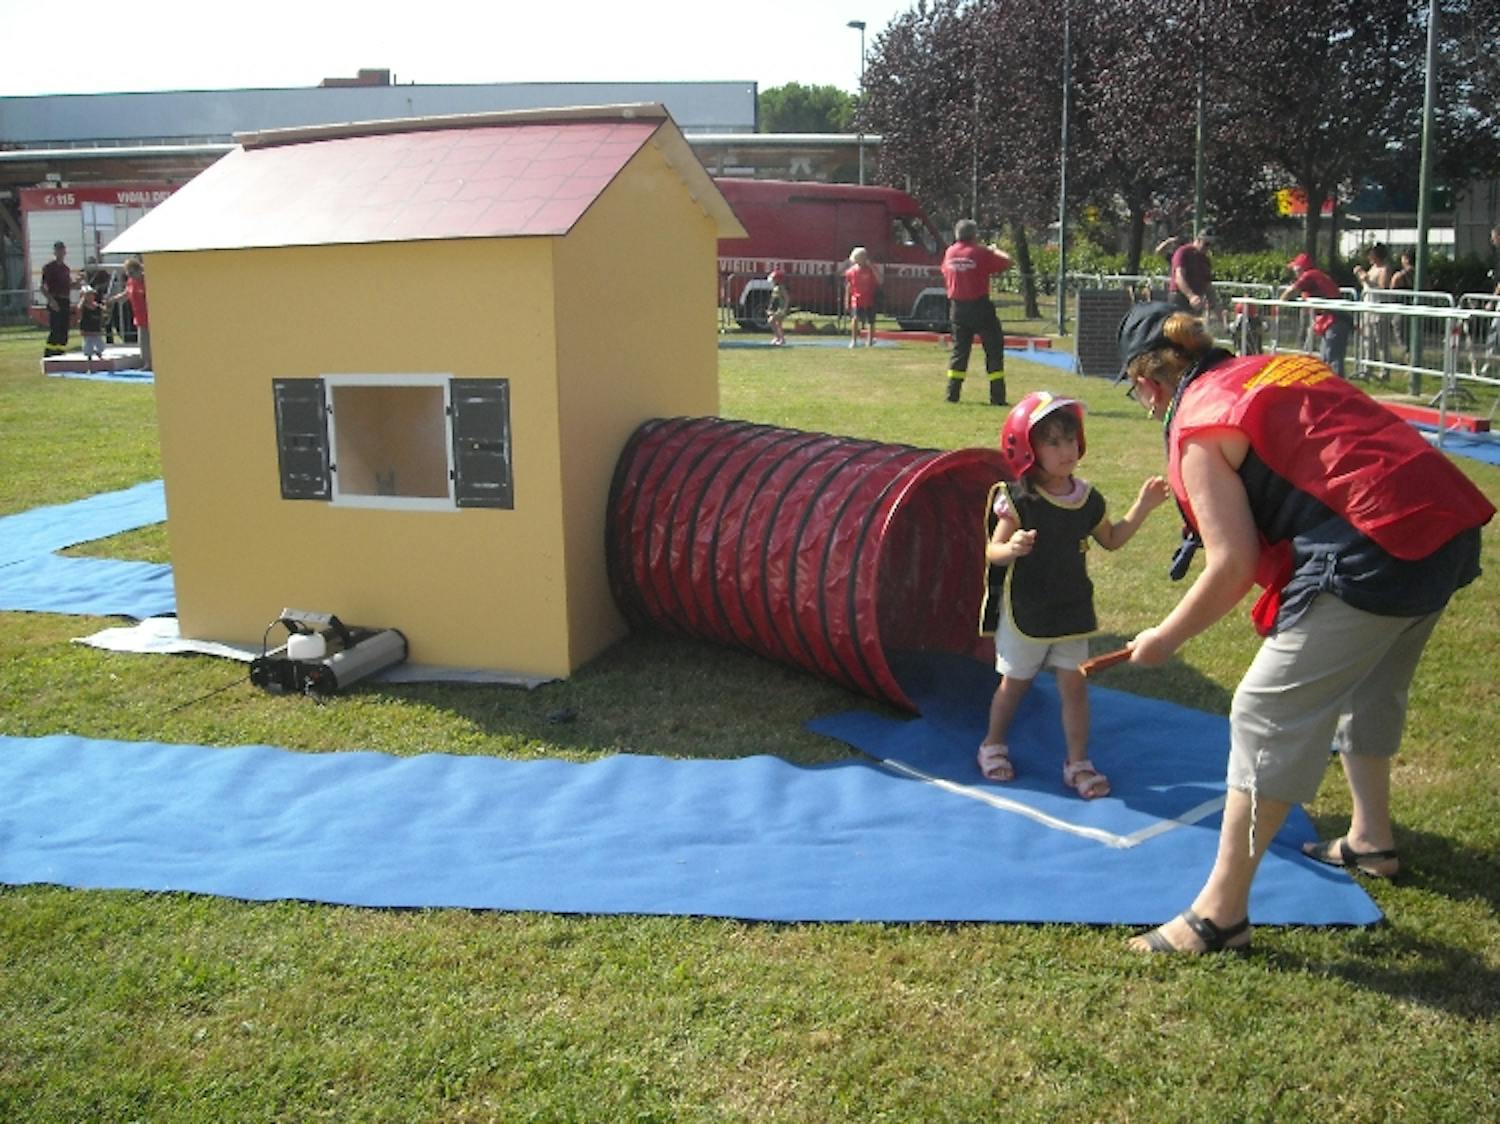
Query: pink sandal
(994,762)
(1083,778)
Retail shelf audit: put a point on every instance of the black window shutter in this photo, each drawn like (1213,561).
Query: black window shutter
(481,443)
(302,439)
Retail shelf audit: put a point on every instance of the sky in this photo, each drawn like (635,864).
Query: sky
(214,45)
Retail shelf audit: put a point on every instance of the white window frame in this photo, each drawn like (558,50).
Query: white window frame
(340,498)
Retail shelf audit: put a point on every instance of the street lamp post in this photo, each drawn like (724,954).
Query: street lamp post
(1062,181)
(859,25)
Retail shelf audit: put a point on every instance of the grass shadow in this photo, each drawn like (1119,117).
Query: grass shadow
(652,693)
(1178,682)
(1405,967)
(1434,864)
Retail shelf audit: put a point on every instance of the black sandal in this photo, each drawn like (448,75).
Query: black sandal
(1214,938)
(1337,852)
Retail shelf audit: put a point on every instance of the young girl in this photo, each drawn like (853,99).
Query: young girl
(861,283)
(91,324)
(1042,524)
(777,306)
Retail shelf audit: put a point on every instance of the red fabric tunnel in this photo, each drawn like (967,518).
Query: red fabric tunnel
(827,553)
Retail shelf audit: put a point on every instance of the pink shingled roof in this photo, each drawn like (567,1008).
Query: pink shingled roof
(485,181)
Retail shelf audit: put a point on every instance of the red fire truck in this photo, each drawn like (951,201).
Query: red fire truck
(808,229)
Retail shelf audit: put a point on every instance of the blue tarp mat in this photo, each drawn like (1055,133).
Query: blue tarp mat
(30,534)
(1460,443)
(128,374)
(1062,360)
(95,587)
(1152,838)
(756,838)
(35,579)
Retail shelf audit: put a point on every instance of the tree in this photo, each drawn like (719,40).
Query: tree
(1325,91)
(1468,112)
(1135,138)
(967,99)
(795,108)
(966,95)
(1018,75)
(917,98)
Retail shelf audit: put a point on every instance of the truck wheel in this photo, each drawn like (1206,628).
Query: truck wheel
(752,317)
(929,314)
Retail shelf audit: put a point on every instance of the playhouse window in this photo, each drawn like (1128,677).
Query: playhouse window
(389,440)
(415,442)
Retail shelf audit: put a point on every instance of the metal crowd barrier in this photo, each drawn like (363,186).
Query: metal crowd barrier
(1422,334)
(1481,343)
(13,306)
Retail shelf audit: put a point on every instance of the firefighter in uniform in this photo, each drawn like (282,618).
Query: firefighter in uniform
(57,287)
(967,269)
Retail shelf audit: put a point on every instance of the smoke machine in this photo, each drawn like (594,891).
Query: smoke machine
(323,656)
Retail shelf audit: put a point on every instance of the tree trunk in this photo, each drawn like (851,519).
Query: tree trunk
(1028,274)
(1333,240)
(1135,238)
(1313,221)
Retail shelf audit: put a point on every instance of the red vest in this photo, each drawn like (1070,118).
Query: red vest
(1337,444)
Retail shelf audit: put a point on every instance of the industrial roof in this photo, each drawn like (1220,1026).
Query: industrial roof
(532,172)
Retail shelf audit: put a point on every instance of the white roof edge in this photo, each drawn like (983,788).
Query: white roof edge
(108,152)
(751,140)
(649,111)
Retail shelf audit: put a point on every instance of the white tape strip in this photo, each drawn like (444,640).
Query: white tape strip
(1108,838)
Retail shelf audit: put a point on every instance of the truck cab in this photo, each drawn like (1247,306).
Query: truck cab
(808,229)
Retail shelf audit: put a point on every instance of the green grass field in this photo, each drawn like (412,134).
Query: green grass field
(122,1006)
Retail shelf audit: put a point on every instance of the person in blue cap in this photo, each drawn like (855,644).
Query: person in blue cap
(1288,477)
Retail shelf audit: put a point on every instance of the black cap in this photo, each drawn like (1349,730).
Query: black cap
(1140,331)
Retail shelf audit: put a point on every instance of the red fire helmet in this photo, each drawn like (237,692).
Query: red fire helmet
(1015,434)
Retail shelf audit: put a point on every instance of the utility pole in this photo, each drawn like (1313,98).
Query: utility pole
(1198,161)
(859,25)
(1424,187)
(1062,191)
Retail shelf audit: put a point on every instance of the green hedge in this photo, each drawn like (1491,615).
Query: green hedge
(1468,274)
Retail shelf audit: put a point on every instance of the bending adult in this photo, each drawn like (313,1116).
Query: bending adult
(1191,285)
(1359,533)
(967,269)
(1332,327)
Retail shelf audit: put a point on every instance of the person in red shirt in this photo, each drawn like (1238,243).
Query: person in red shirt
(1333,328)
(1191,287)
(967,269)
(135,293)
(57,287)
(861,283)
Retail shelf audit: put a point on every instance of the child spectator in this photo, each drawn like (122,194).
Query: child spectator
(861,283)
(1246,328)
(777,306)
(91,324)
(1379,273)
(1406,276)
(1041,527)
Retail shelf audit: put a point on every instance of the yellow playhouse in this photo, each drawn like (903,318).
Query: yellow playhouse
(396,363)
